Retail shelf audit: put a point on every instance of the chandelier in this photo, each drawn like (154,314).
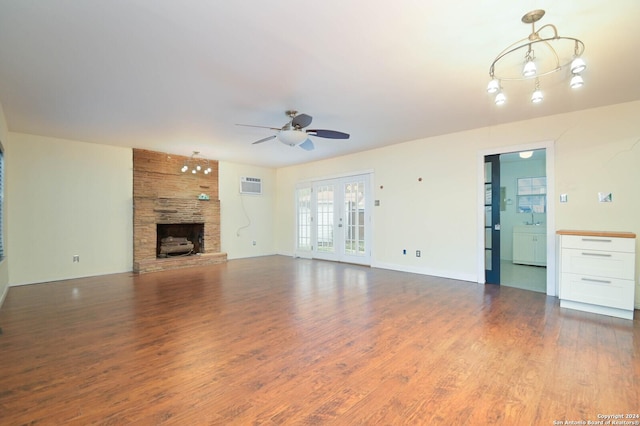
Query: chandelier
(542,53)
(196,165)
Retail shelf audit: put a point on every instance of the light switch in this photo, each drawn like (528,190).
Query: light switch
(605,197)
(564,198)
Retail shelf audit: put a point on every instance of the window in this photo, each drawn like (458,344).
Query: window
(532,195)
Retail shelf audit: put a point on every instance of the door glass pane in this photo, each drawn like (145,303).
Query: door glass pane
(487,172)
(488,242)
(304,218)
(325,219)
(487,216)
(487,260)
(354,203)
(488,195)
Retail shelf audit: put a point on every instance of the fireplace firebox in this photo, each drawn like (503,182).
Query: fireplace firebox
(179,239)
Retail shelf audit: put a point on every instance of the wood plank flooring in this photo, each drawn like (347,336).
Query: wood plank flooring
(279,341)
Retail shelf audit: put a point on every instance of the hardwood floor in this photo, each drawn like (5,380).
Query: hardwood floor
(276,340)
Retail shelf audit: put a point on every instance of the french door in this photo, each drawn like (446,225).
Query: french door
(334,220)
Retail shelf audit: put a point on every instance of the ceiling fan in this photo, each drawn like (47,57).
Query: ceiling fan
(294,133)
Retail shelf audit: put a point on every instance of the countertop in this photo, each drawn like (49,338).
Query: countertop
(610,234)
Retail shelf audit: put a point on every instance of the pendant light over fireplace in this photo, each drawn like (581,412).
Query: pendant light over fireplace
(196,165)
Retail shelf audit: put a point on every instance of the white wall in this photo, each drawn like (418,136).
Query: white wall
(67,198)
(595,150)
(246,218)
(435,215)
(4,263)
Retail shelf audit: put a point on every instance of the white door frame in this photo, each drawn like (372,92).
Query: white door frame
(549,146)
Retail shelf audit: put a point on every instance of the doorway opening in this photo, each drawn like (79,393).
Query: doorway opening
(523,219)
(517,235)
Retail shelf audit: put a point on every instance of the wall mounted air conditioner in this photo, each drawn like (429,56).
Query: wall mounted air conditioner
(250,185)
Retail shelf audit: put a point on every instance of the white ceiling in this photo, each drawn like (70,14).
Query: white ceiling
(177,76)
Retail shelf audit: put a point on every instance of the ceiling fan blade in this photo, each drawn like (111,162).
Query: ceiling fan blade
(330,134)
(302,120)
(307,145)
(261,127)
(268,138)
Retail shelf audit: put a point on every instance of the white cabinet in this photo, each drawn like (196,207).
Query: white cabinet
(530,245)
(596,272)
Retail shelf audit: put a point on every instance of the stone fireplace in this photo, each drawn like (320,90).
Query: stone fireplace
(166,202)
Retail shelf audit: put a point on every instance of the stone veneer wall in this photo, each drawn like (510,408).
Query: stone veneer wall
(163,194)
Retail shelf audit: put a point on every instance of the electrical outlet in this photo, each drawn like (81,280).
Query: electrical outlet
(418,253)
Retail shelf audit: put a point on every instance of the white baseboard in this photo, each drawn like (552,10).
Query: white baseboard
(427,271)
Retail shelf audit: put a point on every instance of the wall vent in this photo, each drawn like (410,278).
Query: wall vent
(250,185)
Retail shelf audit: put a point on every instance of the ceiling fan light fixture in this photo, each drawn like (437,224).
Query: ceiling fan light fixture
(292,137)
(294,133)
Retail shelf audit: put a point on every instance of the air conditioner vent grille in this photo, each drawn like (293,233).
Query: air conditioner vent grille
(250,185)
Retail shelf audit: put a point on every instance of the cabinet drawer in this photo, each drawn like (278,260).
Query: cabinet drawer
(610,292)
(599,243)
(598,263)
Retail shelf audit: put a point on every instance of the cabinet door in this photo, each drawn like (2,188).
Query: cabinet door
(523,248)
(540,249)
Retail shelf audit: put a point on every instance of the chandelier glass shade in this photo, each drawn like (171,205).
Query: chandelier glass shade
(541,53)
(537,95)
(576,81)
(195,165)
